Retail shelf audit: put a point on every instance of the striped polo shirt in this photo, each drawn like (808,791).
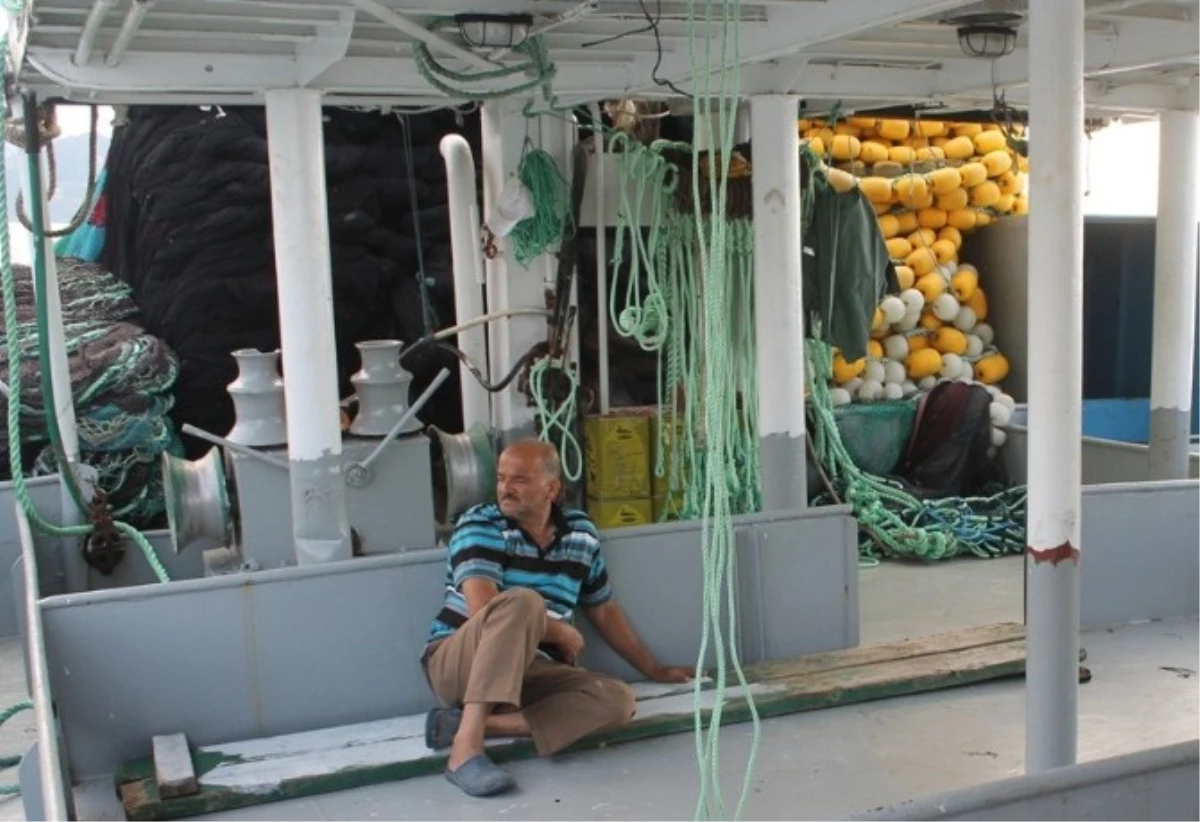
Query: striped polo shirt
(488,545)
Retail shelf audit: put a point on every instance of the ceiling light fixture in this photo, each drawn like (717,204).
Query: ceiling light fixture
(986,34)
(493,31)
(987,41)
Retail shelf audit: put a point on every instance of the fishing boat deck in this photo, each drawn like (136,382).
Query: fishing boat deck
(821,764)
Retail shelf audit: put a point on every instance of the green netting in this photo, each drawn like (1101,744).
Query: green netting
(121,382)
(875,435)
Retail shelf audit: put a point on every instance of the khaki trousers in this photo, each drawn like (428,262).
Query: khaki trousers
(491,659)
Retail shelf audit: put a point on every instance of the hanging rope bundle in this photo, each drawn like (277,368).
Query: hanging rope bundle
(480,85)
(551,222)
(648,176)
(557,409)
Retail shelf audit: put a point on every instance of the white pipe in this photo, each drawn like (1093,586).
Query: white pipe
(129,29)
(779,307)
(468,263)
(1174,332)
(601,260)
(296,154)
(1055,310)
(91,28)
(483,319)
(54,793)
(502,127)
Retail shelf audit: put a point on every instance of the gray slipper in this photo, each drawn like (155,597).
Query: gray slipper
(480,776)
(441,724)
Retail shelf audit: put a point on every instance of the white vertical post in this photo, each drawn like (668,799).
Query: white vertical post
(779,303)
(1055,253)
(1175,275)
(468,275)
(741,123)
(508,284)
(601,263)
(570,138)
(296,151)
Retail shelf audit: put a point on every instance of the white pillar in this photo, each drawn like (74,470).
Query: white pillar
(1055,319)
(570,137)
(778,303)
(468,275)
(509,285)
(1174,295)
(602,376)
(295,145)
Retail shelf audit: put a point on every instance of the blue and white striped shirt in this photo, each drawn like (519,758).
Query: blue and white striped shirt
(488,545)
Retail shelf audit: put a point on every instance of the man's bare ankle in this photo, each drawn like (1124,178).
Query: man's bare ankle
(462,751)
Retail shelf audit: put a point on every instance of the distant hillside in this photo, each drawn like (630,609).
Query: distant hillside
(71,161)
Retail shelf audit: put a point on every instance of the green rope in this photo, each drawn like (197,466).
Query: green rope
(644,316)
(895,523)
(12,789)
(685,273)
(537,66)
(551,222)
(13,347)
(720,405)
(560,419)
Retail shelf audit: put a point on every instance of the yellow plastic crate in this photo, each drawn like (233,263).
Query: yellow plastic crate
(618,455)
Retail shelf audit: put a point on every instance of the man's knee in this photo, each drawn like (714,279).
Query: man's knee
(619,699)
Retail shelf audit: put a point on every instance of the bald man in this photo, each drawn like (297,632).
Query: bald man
(502,651)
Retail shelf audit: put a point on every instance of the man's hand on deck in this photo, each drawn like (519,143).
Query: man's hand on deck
(671,674)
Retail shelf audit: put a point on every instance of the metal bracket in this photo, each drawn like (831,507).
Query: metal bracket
(330,46)
(358,475)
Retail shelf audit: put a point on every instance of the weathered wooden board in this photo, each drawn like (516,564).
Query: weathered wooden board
(257,771)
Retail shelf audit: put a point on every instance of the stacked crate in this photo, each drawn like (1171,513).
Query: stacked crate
(618,448)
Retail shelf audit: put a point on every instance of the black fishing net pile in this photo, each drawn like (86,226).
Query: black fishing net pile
(121,381)
(189,228)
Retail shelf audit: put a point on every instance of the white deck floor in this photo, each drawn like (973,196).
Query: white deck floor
(818,765)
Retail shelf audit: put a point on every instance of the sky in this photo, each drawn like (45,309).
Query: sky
(1122,171)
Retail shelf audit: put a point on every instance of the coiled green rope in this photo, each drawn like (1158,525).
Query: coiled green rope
(537,66)
(12,789)
(896,523)
(551,222)
(558,420)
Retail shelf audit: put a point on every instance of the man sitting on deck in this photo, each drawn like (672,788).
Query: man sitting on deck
(503,649)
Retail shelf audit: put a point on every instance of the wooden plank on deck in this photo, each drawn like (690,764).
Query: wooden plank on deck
(258,771)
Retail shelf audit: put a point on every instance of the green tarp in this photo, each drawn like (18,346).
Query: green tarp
(851,271)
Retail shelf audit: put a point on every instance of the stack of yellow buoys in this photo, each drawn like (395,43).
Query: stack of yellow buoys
(930,183)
